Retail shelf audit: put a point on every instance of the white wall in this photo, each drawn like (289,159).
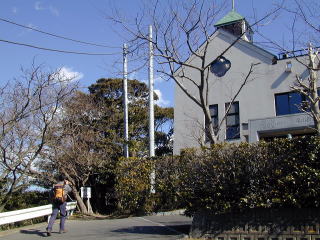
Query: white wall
(256,100)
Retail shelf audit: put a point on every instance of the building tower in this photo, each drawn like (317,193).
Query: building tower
(235,24)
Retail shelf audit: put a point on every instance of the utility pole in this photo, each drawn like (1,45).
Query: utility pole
(151,109)
(125,100)
(151,102)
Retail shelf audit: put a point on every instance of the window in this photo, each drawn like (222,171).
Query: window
(291,102)
(288,103)
(214,119)
(232,121)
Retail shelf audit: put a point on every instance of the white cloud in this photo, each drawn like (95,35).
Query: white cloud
(54,11)
(25,31)
(30,25)
(14,10)
(159,79)
(68,73)
(156,79)
(132,75)
(161,101)
(38,6)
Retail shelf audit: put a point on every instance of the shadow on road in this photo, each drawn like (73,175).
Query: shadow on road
(35,232)
(161,230)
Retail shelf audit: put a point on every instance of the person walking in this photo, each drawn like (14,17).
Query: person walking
(59,204)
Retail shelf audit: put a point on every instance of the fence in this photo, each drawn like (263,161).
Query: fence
(259,224)
(29,213)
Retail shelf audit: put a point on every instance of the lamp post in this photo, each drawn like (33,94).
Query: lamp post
(220,66)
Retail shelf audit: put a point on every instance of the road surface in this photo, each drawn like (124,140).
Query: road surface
(147,227)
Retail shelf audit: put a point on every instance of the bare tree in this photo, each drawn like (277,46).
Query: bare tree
(308,88)
(305,31)
(183,31)
(28,107)
(75,144)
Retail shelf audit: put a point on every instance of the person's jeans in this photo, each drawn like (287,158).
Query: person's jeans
(63,215)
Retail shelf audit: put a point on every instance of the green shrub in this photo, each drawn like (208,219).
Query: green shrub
(27,199)
(233,177)
(168,194)
(225,177)
(133,184)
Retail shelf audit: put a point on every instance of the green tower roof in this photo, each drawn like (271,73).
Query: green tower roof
(231,17)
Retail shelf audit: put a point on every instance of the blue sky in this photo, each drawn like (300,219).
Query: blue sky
(85,20)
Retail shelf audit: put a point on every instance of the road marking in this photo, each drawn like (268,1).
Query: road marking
(162,225)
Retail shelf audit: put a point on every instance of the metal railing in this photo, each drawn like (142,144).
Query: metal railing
(29,213)
(292,54)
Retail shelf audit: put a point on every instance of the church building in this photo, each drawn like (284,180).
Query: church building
(266,106)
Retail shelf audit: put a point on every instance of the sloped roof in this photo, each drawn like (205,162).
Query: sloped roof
(231,17)
(250,45)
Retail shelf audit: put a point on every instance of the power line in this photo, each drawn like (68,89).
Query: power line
(55,35)
(57,50)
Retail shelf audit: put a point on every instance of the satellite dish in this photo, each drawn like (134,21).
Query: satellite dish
(220,66)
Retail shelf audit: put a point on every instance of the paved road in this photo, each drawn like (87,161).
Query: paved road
(147,227)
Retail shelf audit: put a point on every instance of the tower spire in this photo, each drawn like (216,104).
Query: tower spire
(232,5)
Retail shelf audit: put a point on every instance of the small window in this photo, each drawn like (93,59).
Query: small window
(288,66)
(232,121)
(214,119)
(214,114)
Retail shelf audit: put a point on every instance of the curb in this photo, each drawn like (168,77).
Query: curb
(174,212)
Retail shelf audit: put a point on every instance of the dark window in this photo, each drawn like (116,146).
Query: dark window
(214,119)
(288,103)
(292,102)
(233,121)
(214,114)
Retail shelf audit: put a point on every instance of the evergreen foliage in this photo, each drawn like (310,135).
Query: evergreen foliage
(224,178)
(232,177)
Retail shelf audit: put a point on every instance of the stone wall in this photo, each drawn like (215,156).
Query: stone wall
(258,224)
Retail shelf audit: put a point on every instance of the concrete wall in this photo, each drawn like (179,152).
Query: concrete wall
(258,224)
(299,123)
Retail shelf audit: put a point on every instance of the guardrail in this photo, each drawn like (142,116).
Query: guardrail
(29,213)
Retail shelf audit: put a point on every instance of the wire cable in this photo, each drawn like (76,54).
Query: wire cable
(55,35)
(61,51)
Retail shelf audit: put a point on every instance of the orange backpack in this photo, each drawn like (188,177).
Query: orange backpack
(59,195)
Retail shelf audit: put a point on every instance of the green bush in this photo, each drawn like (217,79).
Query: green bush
(27,199)
(234,177)
(168,194)
(225,177)
(133,185)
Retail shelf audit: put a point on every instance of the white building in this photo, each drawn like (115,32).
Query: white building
(266,106)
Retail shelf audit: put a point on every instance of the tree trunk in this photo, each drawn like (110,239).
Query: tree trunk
(80,203)
(313,89)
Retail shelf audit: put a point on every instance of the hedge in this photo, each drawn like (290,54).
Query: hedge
(133,185)
(233,177)
(225,177)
